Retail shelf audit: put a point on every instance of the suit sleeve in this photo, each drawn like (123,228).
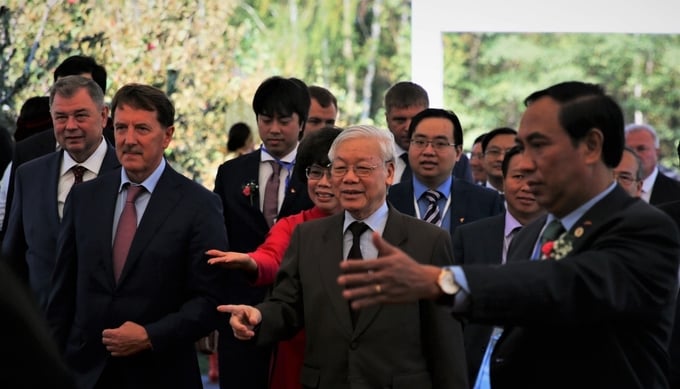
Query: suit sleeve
(442,333)
(282,312)
(14,242)
(204,284)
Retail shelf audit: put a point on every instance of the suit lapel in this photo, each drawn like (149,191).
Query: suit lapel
(459,203)
(106,194)
(401,197)
(53,187)
(329,268)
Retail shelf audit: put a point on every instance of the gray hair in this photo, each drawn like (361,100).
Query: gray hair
(68,86)
(384,138)
(632,127)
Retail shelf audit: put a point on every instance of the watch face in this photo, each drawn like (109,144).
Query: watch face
(447,283)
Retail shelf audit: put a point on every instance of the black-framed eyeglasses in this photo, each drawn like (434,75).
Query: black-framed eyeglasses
(359,170)
(437,144)
(316,172)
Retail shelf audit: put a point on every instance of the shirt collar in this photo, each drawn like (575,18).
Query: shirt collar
(648,183)
(419,188)
(569,220)
(93,163)
(150,183)
(288,158)
(510,224)
(376,221)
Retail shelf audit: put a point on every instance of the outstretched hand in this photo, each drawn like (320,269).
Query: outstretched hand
(243,321)
(232,260)
(393,277)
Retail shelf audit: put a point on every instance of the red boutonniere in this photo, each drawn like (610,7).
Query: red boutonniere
(547,248)
(249,189)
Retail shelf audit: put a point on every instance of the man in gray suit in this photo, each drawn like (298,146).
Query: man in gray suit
(79,116)
(412,345)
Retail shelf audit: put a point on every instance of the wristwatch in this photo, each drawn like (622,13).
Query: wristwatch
(448,285)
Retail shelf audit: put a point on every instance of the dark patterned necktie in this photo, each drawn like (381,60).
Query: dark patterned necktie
(270,206)
(432,214)
(78,173)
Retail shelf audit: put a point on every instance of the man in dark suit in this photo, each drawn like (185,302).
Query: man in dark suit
(46,142)
(657,188)
(281,106)
(413,345)
(486,241)
(436,144)
(127,316)
(41,186)
(598,311)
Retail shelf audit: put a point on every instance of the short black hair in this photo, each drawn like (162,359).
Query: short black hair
(438,113)
(313,149)
(479,138)
(405,94)
(79,64)
(584,107)
(514,151)
(283,97)
(238,135)
(493,133)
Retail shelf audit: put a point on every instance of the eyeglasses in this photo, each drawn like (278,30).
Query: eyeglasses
(476,155)
(624,178)
(437,144)
(495,152)
(359,170)
(316,172)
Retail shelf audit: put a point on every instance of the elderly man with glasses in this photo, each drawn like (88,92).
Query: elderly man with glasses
(414,345)
(629,173)
(434,195)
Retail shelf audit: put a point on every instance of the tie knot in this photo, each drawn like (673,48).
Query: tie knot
(133,191)
(433,196)
(78,172)
(276,167)
(552,231)
(357,228)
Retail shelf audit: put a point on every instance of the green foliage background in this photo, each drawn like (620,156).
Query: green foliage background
(210,56)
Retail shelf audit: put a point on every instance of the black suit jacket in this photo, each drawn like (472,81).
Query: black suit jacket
(415,345)
(600,317)
(166,284)
(665,190)
(673,210)
(469,202)
(479,242)
(30,242)
(244,364)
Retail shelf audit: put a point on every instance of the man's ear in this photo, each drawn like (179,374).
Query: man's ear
(593,142)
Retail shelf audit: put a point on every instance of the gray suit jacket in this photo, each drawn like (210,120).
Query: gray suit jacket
(416,345)
(30,242)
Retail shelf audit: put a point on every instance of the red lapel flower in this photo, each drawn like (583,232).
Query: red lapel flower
(249,189)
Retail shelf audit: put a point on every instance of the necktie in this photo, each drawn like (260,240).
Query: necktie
(406,175)
(78,172)
(356,228)
(270,207)
(127,226)
(432,214)
(552,231)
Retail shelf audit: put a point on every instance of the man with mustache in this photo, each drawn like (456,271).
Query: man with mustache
(434,195)
(256,189)
(79,115)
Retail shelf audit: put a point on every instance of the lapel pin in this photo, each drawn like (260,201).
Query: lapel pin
(578,232)
(462,219)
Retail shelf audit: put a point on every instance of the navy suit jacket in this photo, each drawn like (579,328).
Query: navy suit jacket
(414,345)
(166,284)
(479,242)
(469,202)
(246,365)
(665,190)
(599,317)
(30,242)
